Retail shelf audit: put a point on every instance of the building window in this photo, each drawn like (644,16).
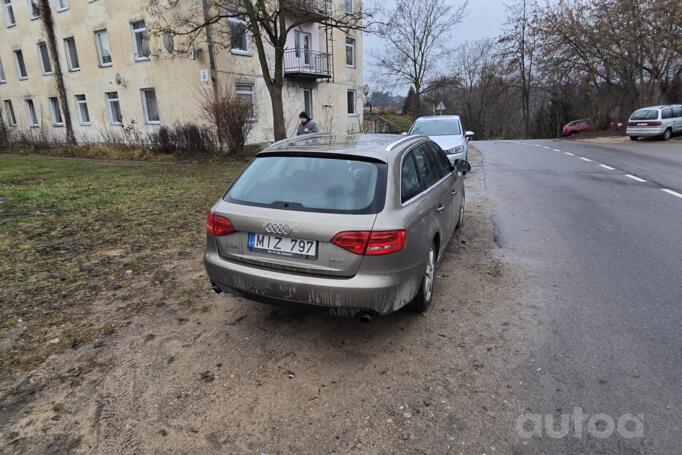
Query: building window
(45,63)
(245,92)
(56,112)
(103,48)
(82,109)
(62,5)
(140,41)
(303,43)
(308,101)
(8,10)
(239,38)
(150,106)
(32,114)
(21,66)
(114,108)
(350,6)
(351,102)
(2,74)
(72,54)
(9,110)
(34,9)
(350,52)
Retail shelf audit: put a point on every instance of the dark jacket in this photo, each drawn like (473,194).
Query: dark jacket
(308,127)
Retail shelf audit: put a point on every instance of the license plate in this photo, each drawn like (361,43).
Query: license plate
(282,246)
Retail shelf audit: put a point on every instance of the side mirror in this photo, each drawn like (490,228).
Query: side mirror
(469,135)
(404,133)
(462,166)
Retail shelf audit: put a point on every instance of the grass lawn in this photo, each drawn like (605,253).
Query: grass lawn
(74,230)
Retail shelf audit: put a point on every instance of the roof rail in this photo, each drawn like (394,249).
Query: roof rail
(405,139)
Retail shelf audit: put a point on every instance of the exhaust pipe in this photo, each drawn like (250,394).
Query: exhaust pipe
(215,288)
(365,318)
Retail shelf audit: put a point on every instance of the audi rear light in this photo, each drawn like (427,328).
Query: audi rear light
(374,243)
(218,225)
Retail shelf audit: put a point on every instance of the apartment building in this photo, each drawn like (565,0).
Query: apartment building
(116,73)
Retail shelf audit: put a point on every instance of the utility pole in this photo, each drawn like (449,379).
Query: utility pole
(48,23)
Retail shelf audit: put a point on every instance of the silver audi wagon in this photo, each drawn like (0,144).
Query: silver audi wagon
(352,224)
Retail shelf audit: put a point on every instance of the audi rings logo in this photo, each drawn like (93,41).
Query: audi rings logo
(273,228)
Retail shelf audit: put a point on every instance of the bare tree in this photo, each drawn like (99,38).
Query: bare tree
(519,41)
(268,23)
(414,35)
(48,24)
(230,115)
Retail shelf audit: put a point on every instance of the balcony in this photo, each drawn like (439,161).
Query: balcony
(307,64)
(313,8)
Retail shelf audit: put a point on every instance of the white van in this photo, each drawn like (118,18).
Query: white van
(655,121)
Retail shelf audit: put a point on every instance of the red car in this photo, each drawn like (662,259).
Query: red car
(577,126)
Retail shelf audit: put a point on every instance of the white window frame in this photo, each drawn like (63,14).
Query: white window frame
(110,111)
(308,92)
(61,5)
(133,33)
(3,76)
(9,110)
(84,102)
(55,112)
(350,6)
(16,53)
(247,37)
(355,102)
(145,110)
(69,57)
(98,45)
(241,90)
(33,119)
(8,12)
(46,71)
(31,10)
(350,45)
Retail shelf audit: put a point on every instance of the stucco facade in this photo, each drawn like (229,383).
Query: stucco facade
(113,70)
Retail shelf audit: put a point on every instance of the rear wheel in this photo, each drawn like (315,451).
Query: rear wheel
(633,138)
(422,302)
(667,135)
(460,219)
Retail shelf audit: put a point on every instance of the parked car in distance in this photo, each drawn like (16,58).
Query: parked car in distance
(447,132)
(655,121)
(577,127)
(354,224)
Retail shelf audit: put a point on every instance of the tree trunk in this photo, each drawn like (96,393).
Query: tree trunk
(48,24)
(277,102)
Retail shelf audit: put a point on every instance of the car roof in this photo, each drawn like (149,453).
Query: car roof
(659,107)
(381,147)
(431,117)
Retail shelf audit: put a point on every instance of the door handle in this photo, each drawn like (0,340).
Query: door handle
(440,208)
(453,193)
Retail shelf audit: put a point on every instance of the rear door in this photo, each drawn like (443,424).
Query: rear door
(286,209)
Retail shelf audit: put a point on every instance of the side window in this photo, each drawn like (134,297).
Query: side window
(677,111)
(667,113)
(429,176)
(409,180)
(440,160)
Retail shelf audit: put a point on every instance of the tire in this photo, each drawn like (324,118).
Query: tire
(667,135)
(633,138)
(422,302)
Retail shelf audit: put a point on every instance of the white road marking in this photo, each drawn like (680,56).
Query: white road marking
(635,178)
(556,150)
(585,159)
(569,153)
(674,193)
(548,148)
(607,167)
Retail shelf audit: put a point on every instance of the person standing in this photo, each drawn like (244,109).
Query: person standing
(306,125)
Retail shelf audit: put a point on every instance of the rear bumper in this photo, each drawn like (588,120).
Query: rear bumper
(375,293)
(645,132)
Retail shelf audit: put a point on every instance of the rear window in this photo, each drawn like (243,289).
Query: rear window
(312,184)
(645,114)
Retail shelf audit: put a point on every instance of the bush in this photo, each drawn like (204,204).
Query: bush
(231,117)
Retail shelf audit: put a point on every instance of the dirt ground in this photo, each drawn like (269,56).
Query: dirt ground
(219,374)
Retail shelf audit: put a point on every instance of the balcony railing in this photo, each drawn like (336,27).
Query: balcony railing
(307,64)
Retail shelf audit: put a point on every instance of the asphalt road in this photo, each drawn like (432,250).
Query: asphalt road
(598,230)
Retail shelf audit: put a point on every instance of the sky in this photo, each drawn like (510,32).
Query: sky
(485,19)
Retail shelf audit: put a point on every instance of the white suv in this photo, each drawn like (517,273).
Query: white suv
(655,121)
